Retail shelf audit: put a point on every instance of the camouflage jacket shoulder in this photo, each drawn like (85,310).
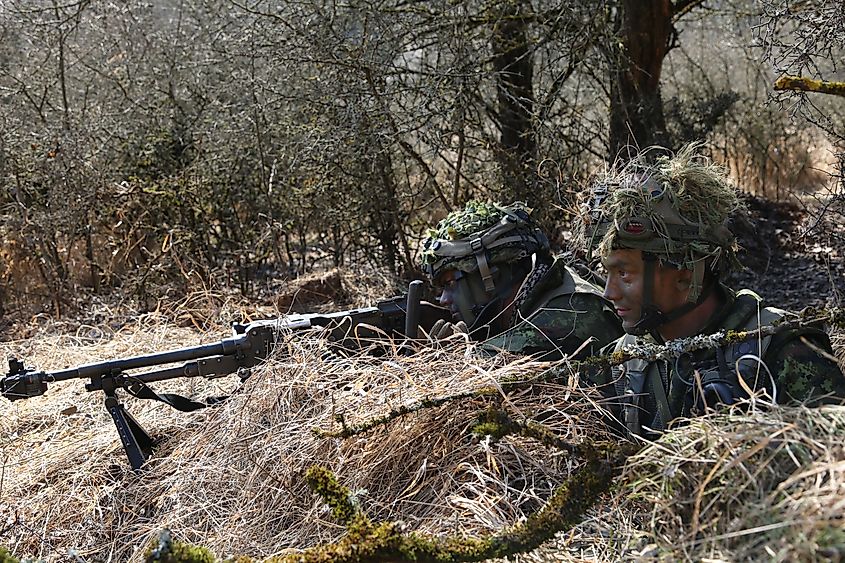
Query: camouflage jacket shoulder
(560,315)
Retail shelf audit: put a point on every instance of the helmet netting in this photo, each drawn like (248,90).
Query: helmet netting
(694,188)
(474,220)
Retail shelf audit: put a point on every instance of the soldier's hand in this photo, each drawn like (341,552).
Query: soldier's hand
(444,330)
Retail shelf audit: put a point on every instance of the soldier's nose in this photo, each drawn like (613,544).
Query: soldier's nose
(610,293)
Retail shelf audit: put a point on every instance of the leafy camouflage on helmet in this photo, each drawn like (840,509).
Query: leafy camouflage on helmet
(475,217)
(676,208)
(472,222)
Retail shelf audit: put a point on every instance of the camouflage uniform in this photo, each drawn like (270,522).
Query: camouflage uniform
(554,313)
(674,211)
(562,313)
(651,394)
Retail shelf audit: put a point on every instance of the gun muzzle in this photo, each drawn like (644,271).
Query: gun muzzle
(22,383)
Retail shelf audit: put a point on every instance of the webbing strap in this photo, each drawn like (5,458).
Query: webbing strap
(697,282)
(660,396)
(484,268)
(458,248)
(178,402)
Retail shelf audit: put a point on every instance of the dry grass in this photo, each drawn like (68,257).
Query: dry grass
(231,477)
(732,486)
(747,486)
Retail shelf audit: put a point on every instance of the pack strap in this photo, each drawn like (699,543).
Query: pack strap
(660,396)
(632,401)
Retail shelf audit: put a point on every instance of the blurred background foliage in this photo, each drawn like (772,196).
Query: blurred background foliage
(162,146)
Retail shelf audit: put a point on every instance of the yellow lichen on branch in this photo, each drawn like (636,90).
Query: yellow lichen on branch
(369,542)
(804,84)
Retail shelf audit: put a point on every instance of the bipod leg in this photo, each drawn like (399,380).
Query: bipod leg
(136,441)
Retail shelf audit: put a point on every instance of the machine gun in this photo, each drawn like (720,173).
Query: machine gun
(248,347)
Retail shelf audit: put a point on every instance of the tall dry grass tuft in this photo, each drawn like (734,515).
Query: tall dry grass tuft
(231,477)
(756,485)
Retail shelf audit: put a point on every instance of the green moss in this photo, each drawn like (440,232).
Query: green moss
(831,543)
(323,482)
(495,423)
(617,357)
(366,542)
(166,550)
(6,557)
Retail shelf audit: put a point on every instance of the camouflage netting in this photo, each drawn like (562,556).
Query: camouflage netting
(474,219)
(697,188)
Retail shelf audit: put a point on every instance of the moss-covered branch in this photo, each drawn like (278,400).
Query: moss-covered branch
(833,317)
(498,424)
(168,551)
(324,483)
(366,542)
(804,84)
(348,431)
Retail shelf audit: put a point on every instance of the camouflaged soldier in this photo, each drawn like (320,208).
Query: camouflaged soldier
(497,276)
(660,230)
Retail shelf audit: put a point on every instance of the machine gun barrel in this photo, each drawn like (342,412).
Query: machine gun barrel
(249,345)
(223,348)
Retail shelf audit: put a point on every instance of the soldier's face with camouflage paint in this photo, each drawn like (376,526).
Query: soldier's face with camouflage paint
(625,275)
(447,282)
(464,295)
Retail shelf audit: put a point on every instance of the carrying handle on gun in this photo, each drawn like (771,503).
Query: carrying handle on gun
(412,310)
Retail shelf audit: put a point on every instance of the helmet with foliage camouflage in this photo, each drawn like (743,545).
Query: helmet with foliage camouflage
(481,235)
(675,208)
(485,246)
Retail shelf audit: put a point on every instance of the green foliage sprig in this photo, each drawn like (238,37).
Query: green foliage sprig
(6,557)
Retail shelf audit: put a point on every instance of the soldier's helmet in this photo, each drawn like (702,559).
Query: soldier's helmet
(676,207)
(482,238)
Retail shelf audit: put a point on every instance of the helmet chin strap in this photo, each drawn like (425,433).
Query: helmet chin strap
(651,317)
(485,314)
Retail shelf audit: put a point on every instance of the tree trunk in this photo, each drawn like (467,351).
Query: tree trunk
(514,68)
(636,107)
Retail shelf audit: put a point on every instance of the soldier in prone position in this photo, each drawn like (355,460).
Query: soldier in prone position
(660,231)
(496,274)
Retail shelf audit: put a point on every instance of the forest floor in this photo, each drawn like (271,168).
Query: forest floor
(787,269)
